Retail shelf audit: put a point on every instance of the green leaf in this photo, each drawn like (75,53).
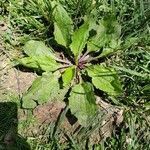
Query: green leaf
(82,103)
(44,63)
(43,89)
(68,75)
(99,40)
(105,79)
(132,72)
(147,105)
(114,45)
(107,35)
(79,39)
(106,52)
(146,88)
(130,41)
(37,48)
(63,25)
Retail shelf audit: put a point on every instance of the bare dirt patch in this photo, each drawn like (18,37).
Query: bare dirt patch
(13,80)
(49,113)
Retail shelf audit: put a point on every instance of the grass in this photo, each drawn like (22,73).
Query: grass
(31,19)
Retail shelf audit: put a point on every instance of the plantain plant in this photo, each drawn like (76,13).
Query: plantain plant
(74,73)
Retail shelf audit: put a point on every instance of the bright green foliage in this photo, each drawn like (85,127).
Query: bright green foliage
(40,56)
(44,63)
(37,48)
(69,74)
(82,102)
(105,79)
(63,25)
(79,39)
(107,36)
(44,88)
(38,18)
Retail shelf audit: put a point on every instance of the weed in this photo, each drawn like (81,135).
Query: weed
(37,20)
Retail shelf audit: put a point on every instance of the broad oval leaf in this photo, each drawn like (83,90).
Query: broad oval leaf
(79,39)
(105,79)
(82,103)
(68,75)
(44,63)
(37,48)
(106,52)
(44,88)
(63,25)
(98,41)
(107,36)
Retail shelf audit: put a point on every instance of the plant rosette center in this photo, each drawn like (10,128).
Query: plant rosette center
(67,77)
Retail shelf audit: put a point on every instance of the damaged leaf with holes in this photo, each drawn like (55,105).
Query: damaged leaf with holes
(70,74)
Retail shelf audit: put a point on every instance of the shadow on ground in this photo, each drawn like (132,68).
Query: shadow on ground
(9,138)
